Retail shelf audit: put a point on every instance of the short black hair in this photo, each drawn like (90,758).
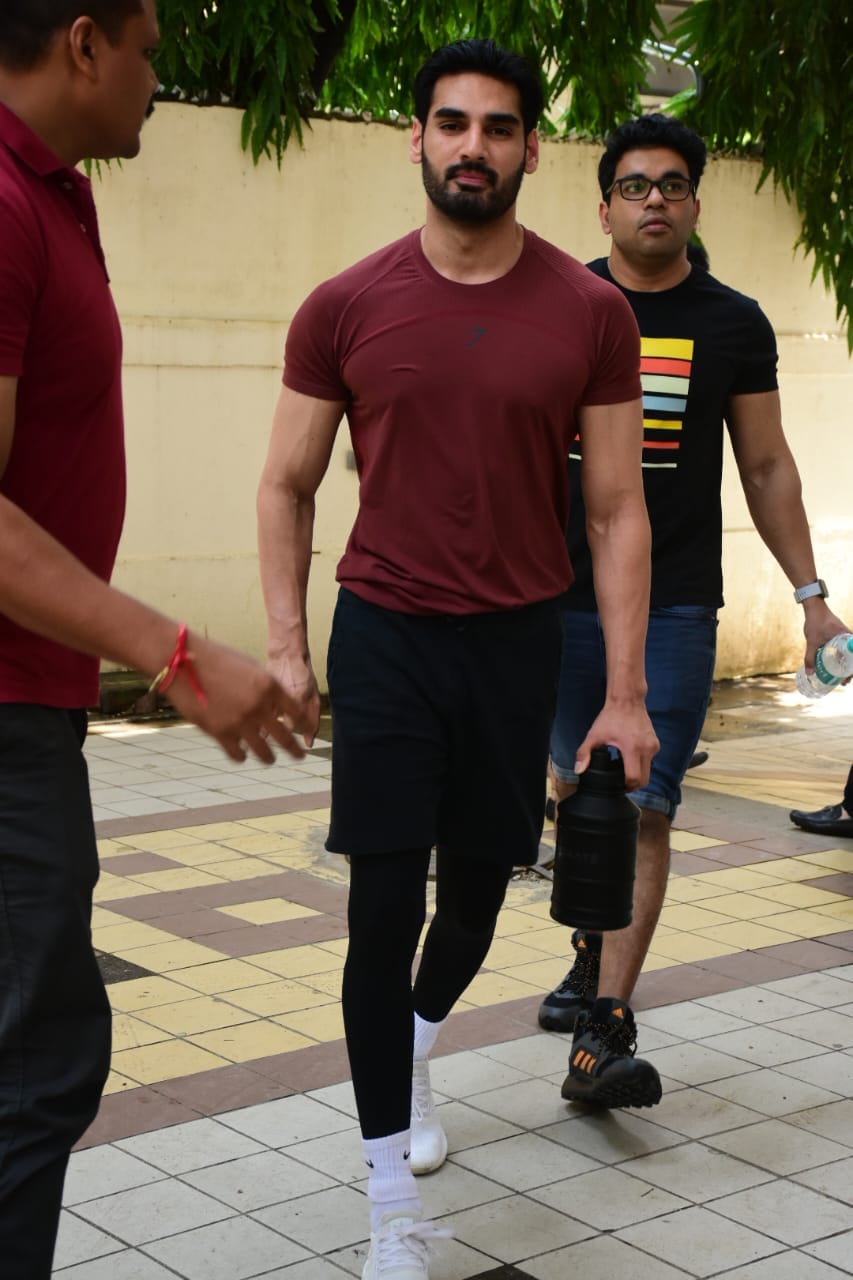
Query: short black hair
(655,130)
(486,58)
(27,27)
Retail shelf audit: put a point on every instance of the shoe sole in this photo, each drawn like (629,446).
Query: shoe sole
(640,1093)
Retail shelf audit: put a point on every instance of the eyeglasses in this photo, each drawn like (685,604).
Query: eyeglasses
(636,187)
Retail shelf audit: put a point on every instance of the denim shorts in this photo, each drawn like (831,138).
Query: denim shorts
(440,729)
(681,647)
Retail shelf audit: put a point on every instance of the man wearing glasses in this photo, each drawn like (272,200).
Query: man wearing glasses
(708,357)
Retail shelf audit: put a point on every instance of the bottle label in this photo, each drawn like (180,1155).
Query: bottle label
(821,670)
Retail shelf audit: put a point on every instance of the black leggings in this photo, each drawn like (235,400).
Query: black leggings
(386,914)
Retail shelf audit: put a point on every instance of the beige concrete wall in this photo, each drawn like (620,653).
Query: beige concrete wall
(209,259)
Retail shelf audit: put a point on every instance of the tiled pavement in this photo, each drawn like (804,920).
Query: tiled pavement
(226,1147)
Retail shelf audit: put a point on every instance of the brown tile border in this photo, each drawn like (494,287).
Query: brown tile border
(277,936)
(137,864)
(841,882)
(123,1115)
(223,1089)
(233,811)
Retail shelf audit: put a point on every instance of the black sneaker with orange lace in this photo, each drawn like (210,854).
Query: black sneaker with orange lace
(602,1068)
(576,993)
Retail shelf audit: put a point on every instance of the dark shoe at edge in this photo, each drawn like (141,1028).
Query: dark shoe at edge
(824,822)
(603,1070)
(576,993)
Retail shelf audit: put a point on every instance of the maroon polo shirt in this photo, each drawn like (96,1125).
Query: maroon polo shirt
(60,337)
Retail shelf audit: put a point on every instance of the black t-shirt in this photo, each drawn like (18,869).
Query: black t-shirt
(702,342)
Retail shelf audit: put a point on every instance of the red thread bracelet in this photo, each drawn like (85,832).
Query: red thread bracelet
(180,663)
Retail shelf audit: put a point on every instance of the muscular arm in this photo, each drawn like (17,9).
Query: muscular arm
(303,433)
(620,543)
(45,589)
(773,492)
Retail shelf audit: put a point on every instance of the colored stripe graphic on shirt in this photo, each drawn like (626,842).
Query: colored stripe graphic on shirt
(665,368)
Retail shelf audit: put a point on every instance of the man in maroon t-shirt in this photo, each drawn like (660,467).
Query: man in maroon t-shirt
(465,357)
(75,81)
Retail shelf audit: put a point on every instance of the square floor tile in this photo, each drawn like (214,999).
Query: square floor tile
(525,1161)
(129,1265)
(770,1092)
(792,1265)
(827,1027)
(696,1113)
(286,1121)
(833,1121)
(167,1060)
(756,1004)
(787,1212)
(459,1075)
(838,1251)
(833,1071)
(530,1104)
(195,1145)
(233,1250)
(79,1241)
(153,1212)
(778,1147)
(338,1155)
(256,1182)
(600,1259)
(834,1179)
(763,1046)
(689,1020)
(608,1199)
(101,1171)
(700,1242)
(323,1221)
(696,1064)
(539,1055)
(815,988)
(695,1172)
(612,1136)
(510,1229)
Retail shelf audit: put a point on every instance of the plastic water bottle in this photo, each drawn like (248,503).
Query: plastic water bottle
(593,886)
(833,663)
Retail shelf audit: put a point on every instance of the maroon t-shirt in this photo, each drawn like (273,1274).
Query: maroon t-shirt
(60,337)
(462,402)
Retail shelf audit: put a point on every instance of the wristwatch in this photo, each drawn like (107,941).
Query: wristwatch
(811,589)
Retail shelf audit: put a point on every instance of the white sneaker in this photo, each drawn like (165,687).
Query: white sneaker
(399,1248)
(429,1141)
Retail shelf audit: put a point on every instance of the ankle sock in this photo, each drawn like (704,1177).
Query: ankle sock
(426,1034)
(390,1183)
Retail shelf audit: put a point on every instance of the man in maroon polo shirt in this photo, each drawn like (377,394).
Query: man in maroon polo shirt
(74,82)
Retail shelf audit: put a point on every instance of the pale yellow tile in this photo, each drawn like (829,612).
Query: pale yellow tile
(740,877)
(165,1061)
(785,869)
(688,841)
(261,842)
(239,869)
(834,859)
(296,962)
(170,955)
(748,935)
(102,918)
(175,878)
(653,962)
(689,948)
(145,993)
(514,923)
(279,997)
(118,1084)
(129,934)
(800,895)
(112,888)
(221,976)
(322,1024)
(320,817)
(505,953)
(686,917)
(297,860)
(107,848)
(252,1040)
(216,830)
(328,983)
(284,823)
(838,910)
(750,906)
(337,946)
(198,854)
(269,911)
(542,974)
(200,1013)
(156,841)
(541,910)
(809,924)
(689,889)
(131,1033)
(555,941)
(497,988)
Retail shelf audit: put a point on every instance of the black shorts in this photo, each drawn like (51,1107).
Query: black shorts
(440,729)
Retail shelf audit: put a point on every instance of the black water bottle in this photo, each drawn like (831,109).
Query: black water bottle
(597,828)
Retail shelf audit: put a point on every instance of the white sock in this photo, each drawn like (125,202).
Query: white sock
(426,1034)
(391,1183)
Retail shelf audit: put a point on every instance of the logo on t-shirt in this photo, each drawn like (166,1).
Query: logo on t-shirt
(665,368)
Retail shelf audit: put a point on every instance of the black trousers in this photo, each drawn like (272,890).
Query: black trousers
(54,1012)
